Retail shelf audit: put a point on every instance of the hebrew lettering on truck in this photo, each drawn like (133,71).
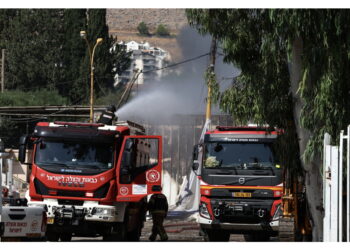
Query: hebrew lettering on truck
(93,178)
(240,183)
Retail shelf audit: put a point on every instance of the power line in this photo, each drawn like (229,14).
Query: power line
(55,84)
(38,118)
(176,64)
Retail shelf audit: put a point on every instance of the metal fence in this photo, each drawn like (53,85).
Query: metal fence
(180,134)
(336,189)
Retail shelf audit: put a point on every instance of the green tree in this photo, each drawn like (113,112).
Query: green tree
(6,16)
(72,84)
(44,50)
(110,58)
(143,29)
(32,43)
(162,30)
(11,128)
(294,70)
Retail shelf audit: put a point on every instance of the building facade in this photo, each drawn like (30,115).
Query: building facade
(146,59)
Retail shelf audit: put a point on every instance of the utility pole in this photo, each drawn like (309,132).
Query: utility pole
(212,67)
(207,124)
(2,70)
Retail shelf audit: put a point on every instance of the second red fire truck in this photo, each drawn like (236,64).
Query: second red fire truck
(240,183)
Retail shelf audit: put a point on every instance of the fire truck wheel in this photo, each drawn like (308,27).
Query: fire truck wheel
(117,233)
(257,237)
(52,236)
(286,230)
(134,235)
(216,235)
(66,237)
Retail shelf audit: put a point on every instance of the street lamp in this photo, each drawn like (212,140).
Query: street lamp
(91,54)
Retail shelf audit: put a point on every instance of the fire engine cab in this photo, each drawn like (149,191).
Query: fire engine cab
(93,178)
(240,183)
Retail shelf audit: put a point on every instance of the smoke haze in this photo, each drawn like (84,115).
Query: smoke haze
(182,90)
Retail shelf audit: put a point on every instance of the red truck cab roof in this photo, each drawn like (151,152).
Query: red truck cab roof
(243,130)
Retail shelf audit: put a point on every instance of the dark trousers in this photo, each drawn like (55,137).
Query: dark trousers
(158,228)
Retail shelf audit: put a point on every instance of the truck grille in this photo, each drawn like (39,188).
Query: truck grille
(70,202)
(43,190)
(241,211)
(69,193)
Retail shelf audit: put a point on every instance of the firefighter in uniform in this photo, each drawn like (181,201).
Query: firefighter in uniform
(158,207)
(107,116)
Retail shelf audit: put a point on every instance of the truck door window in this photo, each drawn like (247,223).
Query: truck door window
(139,155)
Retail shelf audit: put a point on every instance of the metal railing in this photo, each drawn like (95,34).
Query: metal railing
(335,178)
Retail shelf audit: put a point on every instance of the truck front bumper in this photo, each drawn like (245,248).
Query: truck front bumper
(239,227)
(89,211)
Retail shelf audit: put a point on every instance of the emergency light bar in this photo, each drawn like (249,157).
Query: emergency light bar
(79,124)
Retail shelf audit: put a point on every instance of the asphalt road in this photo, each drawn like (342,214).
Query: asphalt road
(178,230)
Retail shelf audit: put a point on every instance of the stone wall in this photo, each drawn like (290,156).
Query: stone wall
(128,19)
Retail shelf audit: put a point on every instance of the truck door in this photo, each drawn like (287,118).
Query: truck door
(139,169)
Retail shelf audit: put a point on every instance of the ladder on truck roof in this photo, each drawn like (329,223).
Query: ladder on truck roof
(135,128)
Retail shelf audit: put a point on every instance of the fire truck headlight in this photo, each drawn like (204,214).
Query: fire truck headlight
(102,211)
(203,211)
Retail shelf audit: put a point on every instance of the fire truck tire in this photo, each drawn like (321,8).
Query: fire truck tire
(216,235)
(286,231)
(261,236)
(134,235)
(52,236)
(66,237)
(117,233)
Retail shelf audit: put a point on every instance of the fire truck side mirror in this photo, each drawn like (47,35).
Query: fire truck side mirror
(195,165)
(22,149)
(195,152)
(127,160)
(195,155)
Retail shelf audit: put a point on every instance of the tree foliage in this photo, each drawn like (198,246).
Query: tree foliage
(261,93)
(44,50)
(162,30)
(110,58)
(143,29)
(74,82)
(12,128)
(32,48)
(259,42)
(32,98)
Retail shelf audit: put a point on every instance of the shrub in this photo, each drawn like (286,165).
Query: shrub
(162,30)
(143,29)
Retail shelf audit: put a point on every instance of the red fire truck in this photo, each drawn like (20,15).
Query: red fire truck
(93,178)
(240,183)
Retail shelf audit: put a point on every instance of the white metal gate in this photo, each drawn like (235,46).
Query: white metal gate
(335,177)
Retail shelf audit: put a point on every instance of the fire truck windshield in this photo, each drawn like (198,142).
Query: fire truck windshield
(73,157)
(241,156)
